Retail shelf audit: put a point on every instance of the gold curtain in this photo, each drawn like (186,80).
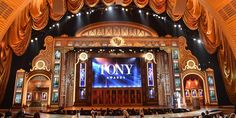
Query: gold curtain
(158,6)
(57,9)
(20,33)
(5,65)
(39,12)
(192,14)
(227,64)
(74,5)
(126,2)
(141,3)
(91,3)
(210,32)
(170,7)
(108,2)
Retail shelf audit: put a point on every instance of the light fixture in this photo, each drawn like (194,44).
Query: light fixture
(175,25)
(179,26)
(147,13)
(69,17)
(32,40)
(126,9)
(36,39)
(139,11)
(123,9)
(72,15)
(110,8)
(57,24)
(194,39)
(199,41)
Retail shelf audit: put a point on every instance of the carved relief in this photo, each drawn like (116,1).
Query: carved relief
(43,61)
(187,59)
(116,29)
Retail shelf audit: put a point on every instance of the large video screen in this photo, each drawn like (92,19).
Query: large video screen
(116,72)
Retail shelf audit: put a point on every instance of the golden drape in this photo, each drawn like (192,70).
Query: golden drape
(20,33)
(210,32)
(108,2)
(91,3)
(57,11)
(5,65)
(74,5)
(192,14)
(170,6)
(141,3)
(39,12)
(227,64)
(158,6)
(126,2)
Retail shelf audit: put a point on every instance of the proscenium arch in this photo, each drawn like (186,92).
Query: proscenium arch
(200,75)
(33,74)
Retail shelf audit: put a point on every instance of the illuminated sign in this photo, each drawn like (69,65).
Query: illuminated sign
(116,72)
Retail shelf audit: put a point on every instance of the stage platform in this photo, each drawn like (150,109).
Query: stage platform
(193,113)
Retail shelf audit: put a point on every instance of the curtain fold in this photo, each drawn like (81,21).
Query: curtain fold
(192,14)
(126,2)
(227,64)
(141,3)
(158,6)
(91,3)
(170,7)
(108,2)
(20,33)
(57,9)
(39,12)
(74,5)
(209,32)
(5,65)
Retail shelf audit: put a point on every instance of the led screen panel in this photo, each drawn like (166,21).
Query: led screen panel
(116,72)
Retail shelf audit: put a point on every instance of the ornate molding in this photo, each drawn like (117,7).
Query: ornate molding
(82,42)
(187,59)
(43,61)
(191,65)
(116,29)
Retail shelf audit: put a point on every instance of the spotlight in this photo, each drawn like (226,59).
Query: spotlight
(199,41)
(36,39)
(57,24)
(179,26)
(109,8)
(32,40)
(69,17)
(53,25)
(175,25)
(72,15)
(126,9)
(194,39)
(87,12)
(105,9)
(139,11)
(123,9)
(147,13)
(50,27)
(153,15)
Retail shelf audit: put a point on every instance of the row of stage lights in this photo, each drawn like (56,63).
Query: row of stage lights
(197,40)
(117,50)
(140,11)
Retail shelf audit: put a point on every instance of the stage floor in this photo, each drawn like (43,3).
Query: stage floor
(225,109)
